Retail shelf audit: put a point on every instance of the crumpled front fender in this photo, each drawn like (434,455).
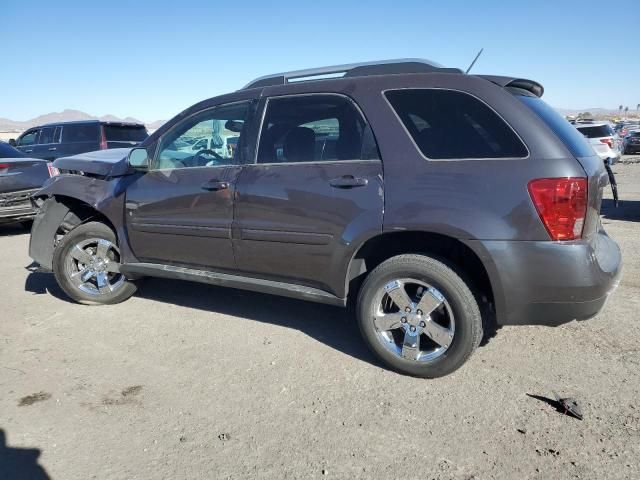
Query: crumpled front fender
(61,192)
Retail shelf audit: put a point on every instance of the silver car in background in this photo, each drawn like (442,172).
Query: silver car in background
(603,139)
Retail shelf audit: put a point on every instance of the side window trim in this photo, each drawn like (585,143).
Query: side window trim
(368,134)
(158,144)
(419,150)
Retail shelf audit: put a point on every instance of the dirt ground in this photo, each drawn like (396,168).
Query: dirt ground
(192,381)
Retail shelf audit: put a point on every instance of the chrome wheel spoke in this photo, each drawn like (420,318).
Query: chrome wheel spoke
(439,334)
(103,249)
(431,299)
(388,321)
(398,294)
(103,283)
(411,345)
(112,267)
(82,276)
(80,255)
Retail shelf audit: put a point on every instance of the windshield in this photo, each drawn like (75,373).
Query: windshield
(573,140)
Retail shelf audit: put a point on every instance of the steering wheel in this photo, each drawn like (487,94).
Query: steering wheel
(200,158)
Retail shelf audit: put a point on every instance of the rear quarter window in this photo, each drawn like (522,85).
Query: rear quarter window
(80,133)
(117,133)
(567,133)
(448,124)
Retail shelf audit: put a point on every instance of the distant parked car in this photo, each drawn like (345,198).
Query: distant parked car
(632,142)
(71,138)
(20,176)
(603,139)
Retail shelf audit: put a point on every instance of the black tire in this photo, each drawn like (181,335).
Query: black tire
(83,232)
(463,304)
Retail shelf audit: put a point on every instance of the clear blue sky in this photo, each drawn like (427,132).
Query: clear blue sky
(152,59)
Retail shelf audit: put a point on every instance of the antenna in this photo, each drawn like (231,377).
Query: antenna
(474,60)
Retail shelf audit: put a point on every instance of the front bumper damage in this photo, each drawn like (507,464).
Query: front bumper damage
(17,206)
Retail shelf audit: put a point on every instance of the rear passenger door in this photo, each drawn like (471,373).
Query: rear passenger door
(313,194)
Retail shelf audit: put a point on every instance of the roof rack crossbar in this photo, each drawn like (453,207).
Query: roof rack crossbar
(380,67)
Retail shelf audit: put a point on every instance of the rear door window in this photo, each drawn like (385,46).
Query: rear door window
(47,135)
(124,133)
(80,133)
(448,124)
(570,136)
(314,128)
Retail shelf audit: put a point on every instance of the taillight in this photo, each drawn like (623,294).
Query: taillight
(103,140)
(561,204)
(3,166)
(53,171)
(608,141)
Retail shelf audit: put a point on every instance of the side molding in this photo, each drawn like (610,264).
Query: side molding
(290,290)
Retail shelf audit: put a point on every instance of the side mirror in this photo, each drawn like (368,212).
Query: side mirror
(12,142)
(138,158)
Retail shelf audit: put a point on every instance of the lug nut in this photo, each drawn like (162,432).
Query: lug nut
(422,324)
(412,328)
(403,319)
(419,312)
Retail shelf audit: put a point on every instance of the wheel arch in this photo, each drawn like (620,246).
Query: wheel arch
(59,214)
(460,255)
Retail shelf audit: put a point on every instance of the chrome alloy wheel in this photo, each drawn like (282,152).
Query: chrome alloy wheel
(413,320)
(92,265)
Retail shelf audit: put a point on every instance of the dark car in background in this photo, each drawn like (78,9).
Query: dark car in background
(20,177)
(56,140)
(431,200)
(632,142)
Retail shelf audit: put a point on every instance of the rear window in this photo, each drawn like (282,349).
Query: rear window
(570,136)
(117,133)
(596,132)
(80,133)
(447,124)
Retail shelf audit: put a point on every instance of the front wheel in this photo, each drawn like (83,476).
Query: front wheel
(86,266)
(418,316)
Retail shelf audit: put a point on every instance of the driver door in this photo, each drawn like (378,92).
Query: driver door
(180,212)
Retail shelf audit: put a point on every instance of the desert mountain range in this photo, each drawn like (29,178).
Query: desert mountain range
(67,115)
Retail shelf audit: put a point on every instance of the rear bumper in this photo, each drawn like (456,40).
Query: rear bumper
(552,283)
(16,206)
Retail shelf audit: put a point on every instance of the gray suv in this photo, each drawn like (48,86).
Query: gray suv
(429,199)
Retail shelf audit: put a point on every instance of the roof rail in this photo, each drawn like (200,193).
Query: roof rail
(380,67)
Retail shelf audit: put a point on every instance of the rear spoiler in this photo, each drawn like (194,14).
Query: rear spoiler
(522,83)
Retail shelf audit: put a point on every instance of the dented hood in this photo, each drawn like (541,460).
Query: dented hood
(104,163)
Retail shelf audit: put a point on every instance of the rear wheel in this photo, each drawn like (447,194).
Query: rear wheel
(86,266)
(419,316)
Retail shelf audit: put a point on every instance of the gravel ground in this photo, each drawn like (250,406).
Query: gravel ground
(192,381)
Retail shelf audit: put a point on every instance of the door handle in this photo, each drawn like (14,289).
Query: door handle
(28,151)
(215,185)
(348,181)
(52,149)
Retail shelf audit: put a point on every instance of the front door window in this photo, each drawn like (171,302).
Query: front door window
(207,139)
